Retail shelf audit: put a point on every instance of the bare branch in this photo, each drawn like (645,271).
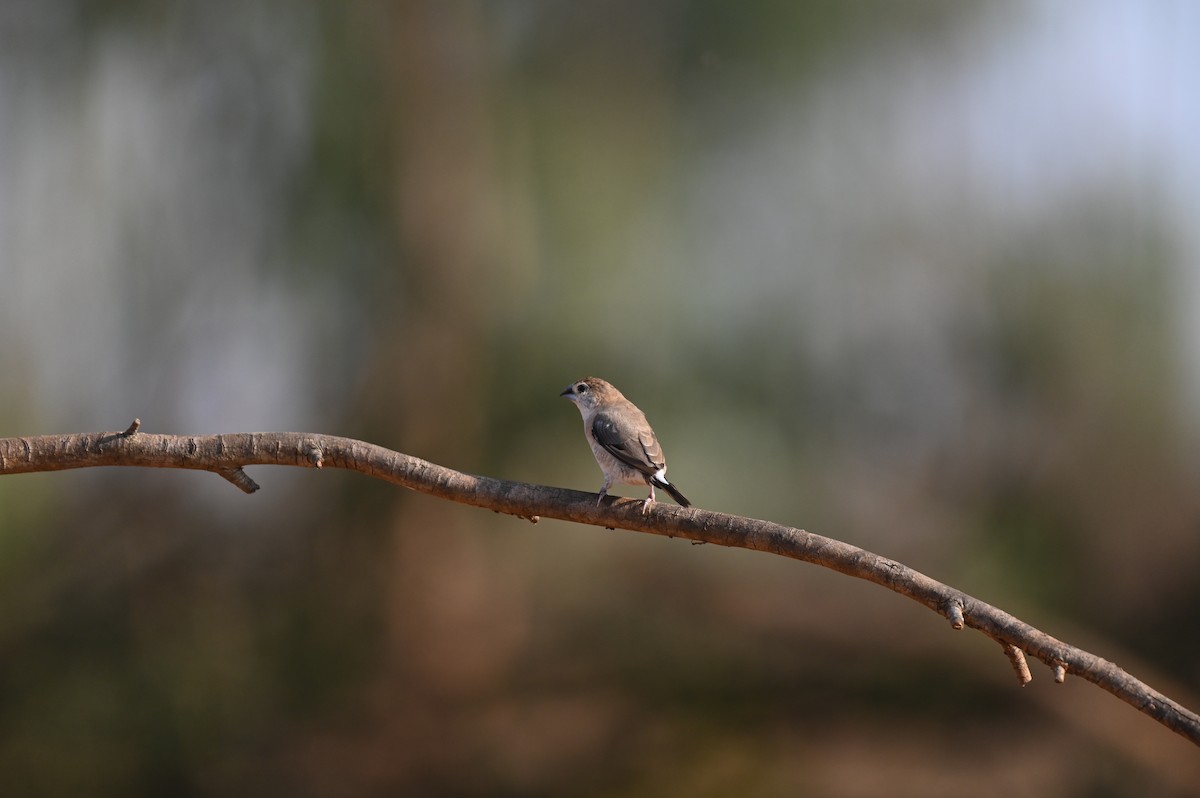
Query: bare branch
(226,455)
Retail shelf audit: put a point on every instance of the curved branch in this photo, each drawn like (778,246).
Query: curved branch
(226,455)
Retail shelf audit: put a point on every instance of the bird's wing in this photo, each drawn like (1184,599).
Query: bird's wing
(630,442)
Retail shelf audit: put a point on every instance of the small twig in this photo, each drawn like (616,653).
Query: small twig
(315,455)
(228,454)
(1017,657)
(954,611)
(239,478)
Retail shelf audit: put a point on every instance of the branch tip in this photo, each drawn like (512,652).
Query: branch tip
(1017,658)
(1060,672)
(239,478)
(133,428)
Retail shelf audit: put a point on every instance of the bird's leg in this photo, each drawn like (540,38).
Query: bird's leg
(649,501)
(604,489)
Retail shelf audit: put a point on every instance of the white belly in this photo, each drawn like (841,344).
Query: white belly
(614,470)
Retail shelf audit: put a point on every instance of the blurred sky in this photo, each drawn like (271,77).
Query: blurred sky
(922,276)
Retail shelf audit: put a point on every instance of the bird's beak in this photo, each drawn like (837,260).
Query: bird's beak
(569,392)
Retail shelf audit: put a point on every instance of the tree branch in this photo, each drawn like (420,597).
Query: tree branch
(226,455)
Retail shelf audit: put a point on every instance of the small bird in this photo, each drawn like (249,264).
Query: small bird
(621,439)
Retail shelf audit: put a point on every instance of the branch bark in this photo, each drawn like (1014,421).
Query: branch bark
(226,455)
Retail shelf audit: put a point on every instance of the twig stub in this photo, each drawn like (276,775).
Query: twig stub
(239,478)
(954,612)
(1017,657)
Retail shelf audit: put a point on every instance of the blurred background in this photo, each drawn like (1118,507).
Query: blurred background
(921,276)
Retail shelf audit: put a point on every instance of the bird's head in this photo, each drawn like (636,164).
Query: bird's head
(590,392)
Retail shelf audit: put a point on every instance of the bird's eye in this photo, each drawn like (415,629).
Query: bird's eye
(581,388)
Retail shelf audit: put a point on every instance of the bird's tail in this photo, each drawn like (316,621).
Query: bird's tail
(679,498)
